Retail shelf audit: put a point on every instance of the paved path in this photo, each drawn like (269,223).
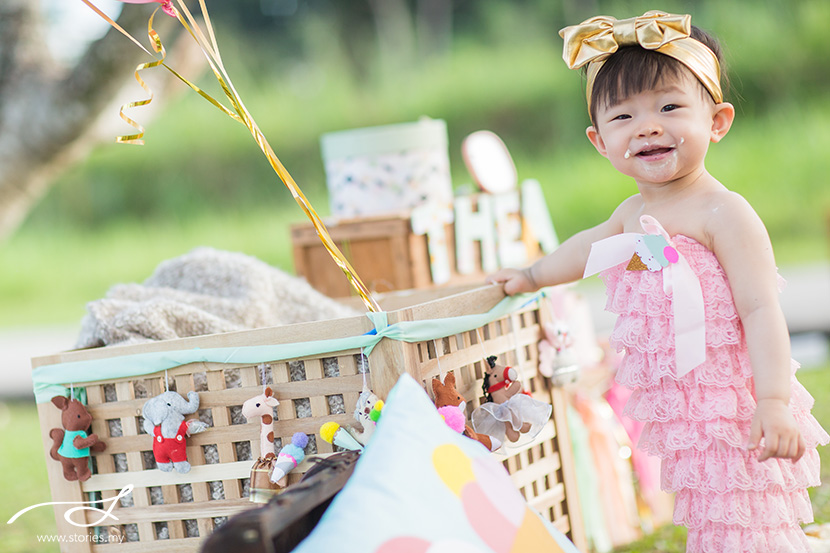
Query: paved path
(805,301)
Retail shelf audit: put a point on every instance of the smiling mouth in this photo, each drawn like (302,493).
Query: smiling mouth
(652,152)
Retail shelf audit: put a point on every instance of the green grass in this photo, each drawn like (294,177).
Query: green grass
(23,481)
(48,276)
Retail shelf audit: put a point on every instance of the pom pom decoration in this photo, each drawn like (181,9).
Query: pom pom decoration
(367,414)
(71,445)
(454,417)
(290,456)
(446,395)
(333,434)
(206,39)
(374,415)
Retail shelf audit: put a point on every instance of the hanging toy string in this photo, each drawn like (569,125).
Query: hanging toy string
(438,360)
(364,362)
(514,338)
(166,384)
(210,50)
(481,343)
(71,391)
(262,376)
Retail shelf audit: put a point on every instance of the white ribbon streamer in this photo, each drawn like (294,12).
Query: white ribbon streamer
(679,282)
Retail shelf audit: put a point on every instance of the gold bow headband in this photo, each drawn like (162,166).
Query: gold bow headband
(594,40)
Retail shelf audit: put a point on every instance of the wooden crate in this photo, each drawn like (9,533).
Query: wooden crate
(383,250)
(389,255)
(543,470)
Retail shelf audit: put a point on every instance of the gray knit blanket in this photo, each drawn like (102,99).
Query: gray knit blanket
(205,291)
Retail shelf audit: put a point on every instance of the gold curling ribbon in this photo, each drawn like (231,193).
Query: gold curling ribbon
(210,50)
(159,48)
(152,32)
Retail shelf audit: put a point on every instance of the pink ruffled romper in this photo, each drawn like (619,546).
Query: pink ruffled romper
(699,424)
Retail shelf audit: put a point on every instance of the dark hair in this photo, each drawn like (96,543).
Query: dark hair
(632,69)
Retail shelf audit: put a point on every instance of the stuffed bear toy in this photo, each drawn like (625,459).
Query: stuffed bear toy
(71,444)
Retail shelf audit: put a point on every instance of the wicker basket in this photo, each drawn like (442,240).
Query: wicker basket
(174,512)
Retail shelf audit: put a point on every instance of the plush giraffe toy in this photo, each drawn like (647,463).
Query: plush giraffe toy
(262,406)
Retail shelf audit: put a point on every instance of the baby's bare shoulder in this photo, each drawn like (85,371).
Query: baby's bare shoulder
(630,209)
(731,215)
(728,208)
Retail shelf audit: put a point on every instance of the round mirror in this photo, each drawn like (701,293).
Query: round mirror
(489,162)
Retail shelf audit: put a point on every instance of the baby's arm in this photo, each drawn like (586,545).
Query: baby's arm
(743,248)
(567,262)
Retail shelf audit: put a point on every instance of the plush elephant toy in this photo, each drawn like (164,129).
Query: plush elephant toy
(164,421)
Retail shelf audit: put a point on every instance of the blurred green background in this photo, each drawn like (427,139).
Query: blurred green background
(307,67)
(200,179)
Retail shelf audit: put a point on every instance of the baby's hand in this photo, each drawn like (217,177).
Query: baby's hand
(775,423)
(515,281)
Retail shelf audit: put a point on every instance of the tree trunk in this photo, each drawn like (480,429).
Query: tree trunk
(396,35)
(47,112)
(434,24)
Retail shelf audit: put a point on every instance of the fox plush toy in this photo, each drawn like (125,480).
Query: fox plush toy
(447,395)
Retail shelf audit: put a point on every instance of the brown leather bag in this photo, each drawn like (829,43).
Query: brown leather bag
(288,518)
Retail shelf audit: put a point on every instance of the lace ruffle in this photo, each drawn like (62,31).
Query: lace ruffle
(719,538)
(655,333)
(766,509)
(733,469)
(669,400)
(665,439)
(723,367)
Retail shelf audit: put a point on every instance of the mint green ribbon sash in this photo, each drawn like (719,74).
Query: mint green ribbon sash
(49,380)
